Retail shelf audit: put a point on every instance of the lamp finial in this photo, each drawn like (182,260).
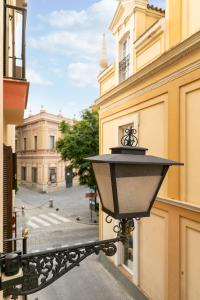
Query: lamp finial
(129,138)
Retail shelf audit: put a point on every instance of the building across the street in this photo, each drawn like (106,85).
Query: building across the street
(154,86)
(39,165)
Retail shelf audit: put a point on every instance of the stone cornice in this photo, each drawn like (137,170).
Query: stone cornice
(38,152)
(39,157)
(35,121)
(45,116)
(167,59)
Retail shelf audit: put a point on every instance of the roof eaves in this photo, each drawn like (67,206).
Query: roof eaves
(152,7)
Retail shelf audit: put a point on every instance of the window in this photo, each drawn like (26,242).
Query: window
(122,133)
(23,173)
(35,142)
(128,253)
(52,175)
(14,41)
(125,48)
(124,59)
(51,142)
(24,144)
(34,175)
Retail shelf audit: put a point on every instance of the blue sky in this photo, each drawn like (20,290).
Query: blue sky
(63,48)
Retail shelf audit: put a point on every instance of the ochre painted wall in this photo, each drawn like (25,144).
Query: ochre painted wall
(164,107)
(189,118)
(153,263)
(108,82)
(167,123)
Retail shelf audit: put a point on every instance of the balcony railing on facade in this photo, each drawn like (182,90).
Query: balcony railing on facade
(37,151)
(124,68)
(14,42)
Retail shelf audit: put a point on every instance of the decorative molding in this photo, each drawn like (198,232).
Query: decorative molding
(165,60)
(39,157)
(24,152)
(181,204)
(165,80)
(157,28)
(118,13)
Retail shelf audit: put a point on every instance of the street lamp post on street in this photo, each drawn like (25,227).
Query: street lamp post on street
(128,182)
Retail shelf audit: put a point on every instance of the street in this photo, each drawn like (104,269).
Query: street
(68,222)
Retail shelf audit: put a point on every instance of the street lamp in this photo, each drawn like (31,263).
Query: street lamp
(128,182)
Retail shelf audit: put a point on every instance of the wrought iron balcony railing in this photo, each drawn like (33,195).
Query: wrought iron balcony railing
(14,42)
(124,68)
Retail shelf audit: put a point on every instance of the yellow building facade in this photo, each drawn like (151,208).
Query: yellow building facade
(154,85)
(39,165)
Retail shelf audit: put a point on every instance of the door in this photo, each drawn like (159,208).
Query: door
(68,177)
(52,175)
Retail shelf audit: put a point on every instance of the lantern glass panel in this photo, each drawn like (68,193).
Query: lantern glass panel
(103,178)
(136,186)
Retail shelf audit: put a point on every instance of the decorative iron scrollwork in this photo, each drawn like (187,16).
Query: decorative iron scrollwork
(129,138)
(123,229)
(108,219)
(42,268)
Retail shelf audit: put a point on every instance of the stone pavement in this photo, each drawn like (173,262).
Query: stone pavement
(88,282)
(71,202)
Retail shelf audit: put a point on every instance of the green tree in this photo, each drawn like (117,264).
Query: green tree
(79,141)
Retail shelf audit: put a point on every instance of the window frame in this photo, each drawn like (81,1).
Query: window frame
(50,142)
(34,174)
(23,173)
(50,175)
(35,142)
(25,144)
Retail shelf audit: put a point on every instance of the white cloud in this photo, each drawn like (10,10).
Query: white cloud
(99,12)
(35,78)
(83,74)
(76,33)
(68,43)
(65,18)
(78,36)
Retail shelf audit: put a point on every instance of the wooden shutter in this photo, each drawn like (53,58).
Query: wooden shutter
(7,197)
(14,172)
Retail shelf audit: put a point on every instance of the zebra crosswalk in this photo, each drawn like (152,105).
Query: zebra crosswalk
(49,219)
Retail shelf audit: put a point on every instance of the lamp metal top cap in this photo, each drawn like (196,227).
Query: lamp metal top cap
(131,155)
(128,150)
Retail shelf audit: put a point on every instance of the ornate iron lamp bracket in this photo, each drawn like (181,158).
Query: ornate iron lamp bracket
(43,268)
